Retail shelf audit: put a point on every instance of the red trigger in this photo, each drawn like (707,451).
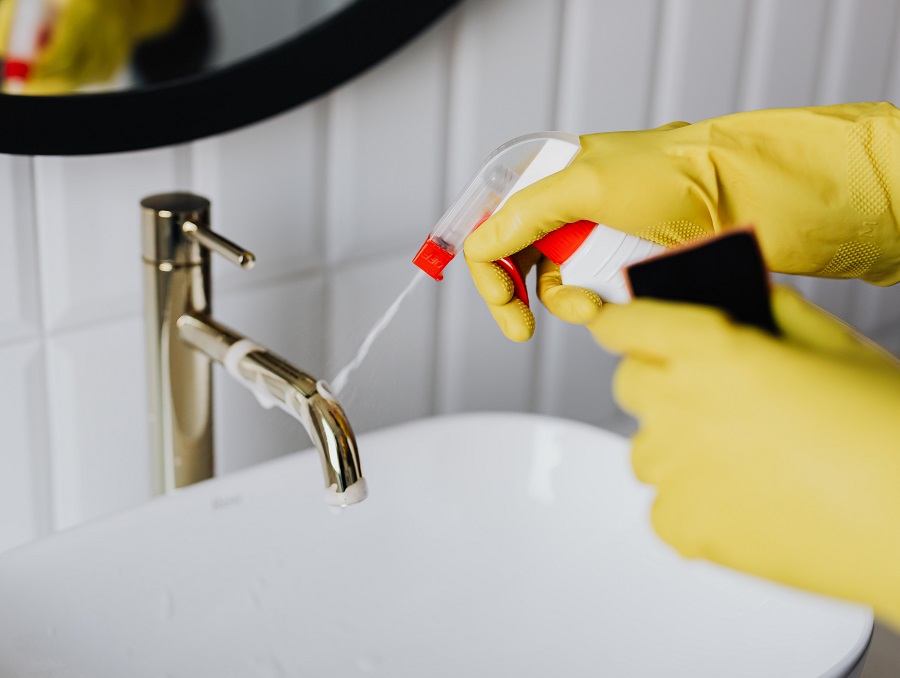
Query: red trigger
(508,265)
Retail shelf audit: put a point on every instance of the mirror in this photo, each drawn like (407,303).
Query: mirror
(199,67)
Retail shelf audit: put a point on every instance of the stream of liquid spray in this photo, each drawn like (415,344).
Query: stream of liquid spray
(340,381)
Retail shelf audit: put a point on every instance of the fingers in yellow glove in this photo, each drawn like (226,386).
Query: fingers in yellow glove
(511,314)
(529,215)
(572,304)
(776,456)
(535,211)
(567,196)
(817,184)
(515,319)
(636,328)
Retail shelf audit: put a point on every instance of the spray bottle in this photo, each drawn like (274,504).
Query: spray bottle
(590,255)
(28,33)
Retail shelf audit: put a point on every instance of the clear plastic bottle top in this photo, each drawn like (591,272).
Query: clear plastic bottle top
(512,167)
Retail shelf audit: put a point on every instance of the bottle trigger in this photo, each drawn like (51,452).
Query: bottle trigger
(512,270)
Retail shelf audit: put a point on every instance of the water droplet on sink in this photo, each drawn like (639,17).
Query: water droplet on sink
(368,664)
(546,456)
(337,510)
(51,632)
(271,665)
(255,599)
(167,607)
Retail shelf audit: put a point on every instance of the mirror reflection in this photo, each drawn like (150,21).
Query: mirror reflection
(77,46)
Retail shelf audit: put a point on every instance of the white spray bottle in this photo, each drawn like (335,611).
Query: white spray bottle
(28,33)
(590,255)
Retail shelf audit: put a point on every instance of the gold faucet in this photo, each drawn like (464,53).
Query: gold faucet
(183,340)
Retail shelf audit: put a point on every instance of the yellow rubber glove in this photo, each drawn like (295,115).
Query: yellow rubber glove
(90,40)
(818,185)
(572,304)
(775,456)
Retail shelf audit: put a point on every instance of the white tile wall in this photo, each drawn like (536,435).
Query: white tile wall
(612,45)
(783,54)
(87,226)
(698,69)
(396,381)
(265,183)
(386,144)
(607,75)
(95,410)
(574,375)
(24,494)
(19,304)
(336,196)
(503,84)
(857,59)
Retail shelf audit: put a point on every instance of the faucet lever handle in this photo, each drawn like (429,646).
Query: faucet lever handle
(215,242)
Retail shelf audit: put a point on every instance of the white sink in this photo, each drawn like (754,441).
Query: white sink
(490,545)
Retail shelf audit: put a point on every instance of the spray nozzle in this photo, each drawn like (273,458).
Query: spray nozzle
(510,168)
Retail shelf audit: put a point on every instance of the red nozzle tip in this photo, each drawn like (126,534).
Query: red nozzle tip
(432,258)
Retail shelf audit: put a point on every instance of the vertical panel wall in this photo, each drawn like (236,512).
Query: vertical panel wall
(25,498)
(607,72)
(701,44)
(385,168)
(336,196)
(785,44)
(503,84)
(19,305)
(24,451)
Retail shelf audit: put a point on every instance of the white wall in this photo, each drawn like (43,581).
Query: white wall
(336,196)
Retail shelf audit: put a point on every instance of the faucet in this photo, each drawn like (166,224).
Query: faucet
(183,340)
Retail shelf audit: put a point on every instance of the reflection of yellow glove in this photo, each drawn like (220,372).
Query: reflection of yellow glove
(818,184)
(778,457)
(90,40)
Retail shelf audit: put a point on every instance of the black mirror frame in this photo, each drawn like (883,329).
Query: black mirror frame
(186,109)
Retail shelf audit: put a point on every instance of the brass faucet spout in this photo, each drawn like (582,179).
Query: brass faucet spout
(277,383)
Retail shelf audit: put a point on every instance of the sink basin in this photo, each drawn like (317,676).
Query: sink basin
(490,545)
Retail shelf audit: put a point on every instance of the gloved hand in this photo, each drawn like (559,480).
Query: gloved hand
(89,40)
(775,456)
(572,304)
(818,185)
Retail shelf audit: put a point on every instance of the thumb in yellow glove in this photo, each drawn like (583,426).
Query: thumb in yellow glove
(89,40)
(818,184)
(775,456)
